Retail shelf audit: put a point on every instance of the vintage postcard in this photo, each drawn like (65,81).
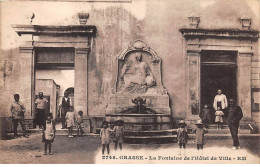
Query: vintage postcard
(130,82)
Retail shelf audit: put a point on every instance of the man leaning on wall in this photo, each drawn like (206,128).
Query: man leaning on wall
(17,111)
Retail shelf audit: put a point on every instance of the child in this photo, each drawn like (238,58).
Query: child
(182,136)
(70,118)
(205,115)
(119,133)
(200,131)
(79,122)
(219,119)
(48,134)
(105,136)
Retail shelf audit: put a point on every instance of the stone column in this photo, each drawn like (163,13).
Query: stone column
(244,82)
(81,85)
(193,86)
(27,79)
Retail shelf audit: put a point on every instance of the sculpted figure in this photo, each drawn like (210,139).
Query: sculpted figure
(141,77)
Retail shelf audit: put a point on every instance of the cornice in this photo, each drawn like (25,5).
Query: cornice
(83,30)
(215,33)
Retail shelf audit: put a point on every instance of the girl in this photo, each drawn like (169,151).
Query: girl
(70,118)
(205,115)
(182,136)
(219,119)
(48,134)
(105,136)
(200,131)
(118,133)
(79,122)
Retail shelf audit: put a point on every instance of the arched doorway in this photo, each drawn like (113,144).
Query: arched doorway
(218,71)
(70,92)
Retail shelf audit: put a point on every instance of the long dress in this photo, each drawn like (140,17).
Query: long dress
(205,115)
(49,132)
(70,119)
(200,135)
(219,115)
(105,136)
(119,133)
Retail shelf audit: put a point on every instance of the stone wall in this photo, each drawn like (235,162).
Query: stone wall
(9,78)
(255,80)
(118,24)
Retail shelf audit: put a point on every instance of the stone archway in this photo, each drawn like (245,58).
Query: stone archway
(77,37)
(70,92)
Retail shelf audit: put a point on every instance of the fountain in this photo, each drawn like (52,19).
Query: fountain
(138,97)
(140,108)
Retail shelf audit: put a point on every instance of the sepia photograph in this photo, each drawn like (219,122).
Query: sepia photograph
(129,82)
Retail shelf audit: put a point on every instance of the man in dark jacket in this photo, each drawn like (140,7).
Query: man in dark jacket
(235,114)
(65,105)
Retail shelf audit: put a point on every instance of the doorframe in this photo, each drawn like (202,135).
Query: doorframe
(196,40)
(216,64)
(79,37)
(219,64)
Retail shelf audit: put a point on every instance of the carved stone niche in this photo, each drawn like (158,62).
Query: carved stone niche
(138,77)
(149,80)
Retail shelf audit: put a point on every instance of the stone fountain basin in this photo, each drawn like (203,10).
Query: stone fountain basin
(121,102)
(140,122)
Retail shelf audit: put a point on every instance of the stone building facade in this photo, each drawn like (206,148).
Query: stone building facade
(192,39)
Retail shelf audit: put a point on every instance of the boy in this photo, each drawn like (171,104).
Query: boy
(182,136)
(200,131)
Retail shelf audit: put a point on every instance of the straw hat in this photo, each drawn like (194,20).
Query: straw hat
(182,122)
(199,122)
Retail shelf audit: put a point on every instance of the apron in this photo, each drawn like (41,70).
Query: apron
(49,132)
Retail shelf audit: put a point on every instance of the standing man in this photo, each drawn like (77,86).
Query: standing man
(17,115)
(65,106)
(220,100)
(41,105)
(235,114)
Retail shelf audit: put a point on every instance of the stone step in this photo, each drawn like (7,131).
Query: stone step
(174,131)
(158,139)
(150,137)
(10,135)
(227,131)
(146,133)
(152,132)
(58,131)
(214,126)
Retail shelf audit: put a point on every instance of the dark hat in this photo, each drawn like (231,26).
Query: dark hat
(104,123)
(16,95)
(80,112)
(119,122)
